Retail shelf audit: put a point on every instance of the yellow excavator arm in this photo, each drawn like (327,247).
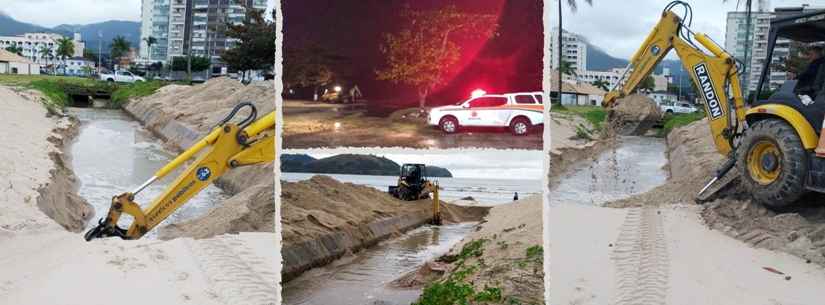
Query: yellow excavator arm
(227,146)
(714,74)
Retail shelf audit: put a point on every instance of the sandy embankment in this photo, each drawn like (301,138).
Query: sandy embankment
(509,256)
(181,115)
(43,263)
(656,248)
(324,219)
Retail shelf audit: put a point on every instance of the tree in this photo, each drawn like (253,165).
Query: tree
(45,52)
(308,66)
(88,54)
(648,84)
(573,7)
(199,63)
(601,84)
(149,42)
(567,68)
(256,36)
(423,52)
(120,47)
(65,49)
(15,49)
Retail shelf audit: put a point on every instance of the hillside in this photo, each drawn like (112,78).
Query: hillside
(89,32)
(350,164)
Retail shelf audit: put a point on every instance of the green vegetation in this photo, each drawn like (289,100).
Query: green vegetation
(679,120)
(595,115)
(454,289)
(138,89)
(55,88)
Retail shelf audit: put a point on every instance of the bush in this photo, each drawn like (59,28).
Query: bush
(139,89)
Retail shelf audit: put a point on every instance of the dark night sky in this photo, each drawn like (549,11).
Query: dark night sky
(510,61)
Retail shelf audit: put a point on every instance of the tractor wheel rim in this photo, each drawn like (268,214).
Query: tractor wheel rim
(521,128)
(764,162)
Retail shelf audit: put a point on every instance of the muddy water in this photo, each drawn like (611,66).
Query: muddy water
(635,166)
(113,154)
(364,278)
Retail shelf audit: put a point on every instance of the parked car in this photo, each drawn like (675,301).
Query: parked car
(520,112)
(681,107)
(121,77)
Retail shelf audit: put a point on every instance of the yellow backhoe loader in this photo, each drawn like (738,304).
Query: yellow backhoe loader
(770,141)
(227,146)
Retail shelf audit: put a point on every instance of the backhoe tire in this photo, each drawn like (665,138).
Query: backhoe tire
(773,163)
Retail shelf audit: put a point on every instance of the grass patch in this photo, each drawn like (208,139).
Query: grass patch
(139,89)
(679,120)
(595,115)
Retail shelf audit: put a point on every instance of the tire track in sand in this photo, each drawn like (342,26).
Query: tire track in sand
(641,260)
(235,273)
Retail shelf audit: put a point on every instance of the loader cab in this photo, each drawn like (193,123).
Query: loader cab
(413,173)
(787,35)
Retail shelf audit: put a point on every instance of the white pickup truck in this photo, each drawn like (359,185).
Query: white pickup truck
(121,77)
(518,111)
(671,107)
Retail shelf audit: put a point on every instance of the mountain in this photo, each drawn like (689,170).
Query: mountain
(599,60)
(110,29)
(350,164)
(9,26)
(89,32)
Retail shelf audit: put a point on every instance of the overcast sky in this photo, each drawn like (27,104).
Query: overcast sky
(494,164)
(50,13)
(619,27)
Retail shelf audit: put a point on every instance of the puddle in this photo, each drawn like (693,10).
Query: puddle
(113,154)
(364,278)
(634,167)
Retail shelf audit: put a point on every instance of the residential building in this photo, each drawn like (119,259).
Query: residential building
(176,23)
(576,93)
(661,96)
(574,50)
(155,24)
(757,41)
(79,66)
(11,63)
(32,43)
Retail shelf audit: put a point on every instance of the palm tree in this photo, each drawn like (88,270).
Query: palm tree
(573,6)
(65,49)
(601,84)
(149,42)
(120,47)
(567,68)
(15,49)
(45,53)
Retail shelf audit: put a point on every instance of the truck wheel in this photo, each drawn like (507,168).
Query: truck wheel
(773,163)
(448,124)
(520,126)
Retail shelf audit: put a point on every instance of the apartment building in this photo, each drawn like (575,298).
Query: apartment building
(574,50)
(176,23)
(32,43)
(735,38)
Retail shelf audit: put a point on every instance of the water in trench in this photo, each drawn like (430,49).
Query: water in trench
(364,278)
(635,166)
(113,154)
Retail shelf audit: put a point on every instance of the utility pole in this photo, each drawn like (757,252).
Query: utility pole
(99,51)
(558,68)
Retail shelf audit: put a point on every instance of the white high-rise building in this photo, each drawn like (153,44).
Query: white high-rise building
(574,50)
(175,23)
(758,41)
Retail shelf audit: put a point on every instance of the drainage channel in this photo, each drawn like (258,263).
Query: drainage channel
(635,166)
(365,278)
(113,154)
